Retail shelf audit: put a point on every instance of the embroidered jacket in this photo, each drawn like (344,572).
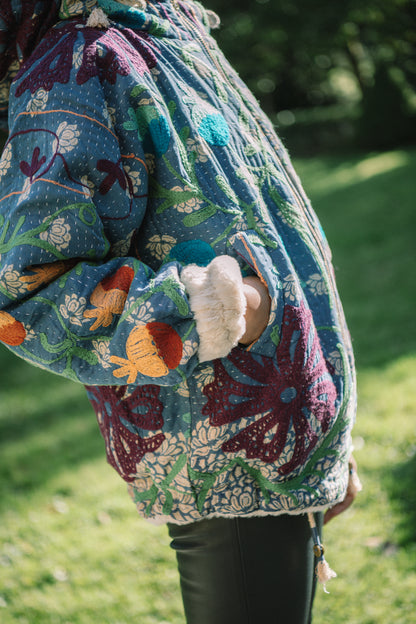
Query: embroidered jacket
(139,183)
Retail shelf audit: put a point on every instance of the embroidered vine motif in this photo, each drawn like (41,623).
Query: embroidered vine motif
(122,421)
(288,395)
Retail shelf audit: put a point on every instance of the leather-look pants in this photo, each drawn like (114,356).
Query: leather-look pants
(246,570)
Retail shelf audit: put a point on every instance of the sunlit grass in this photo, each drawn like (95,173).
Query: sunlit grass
(72,549)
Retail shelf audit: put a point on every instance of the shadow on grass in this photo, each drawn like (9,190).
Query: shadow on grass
(400,483)
(46,425)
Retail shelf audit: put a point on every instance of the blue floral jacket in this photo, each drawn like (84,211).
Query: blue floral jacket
(135,151)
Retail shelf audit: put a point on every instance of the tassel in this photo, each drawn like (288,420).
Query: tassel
(322,570)
(98,19)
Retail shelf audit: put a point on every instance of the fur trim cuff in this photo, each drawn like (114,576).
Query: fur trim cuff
(217,300)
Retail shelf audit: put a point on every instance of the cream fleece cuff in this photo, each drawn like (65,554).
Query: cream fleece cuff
(217,300)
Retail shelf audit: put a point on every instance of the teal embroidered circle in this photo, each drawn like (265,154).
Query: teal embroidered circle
(214,129)
(160,135)
(192,252)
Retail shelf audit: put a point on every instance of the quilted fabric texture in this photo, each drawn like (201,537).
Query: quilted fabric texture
(134,151)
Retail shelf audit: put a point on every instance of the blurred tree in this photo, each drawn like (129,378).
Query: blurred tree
(303,54)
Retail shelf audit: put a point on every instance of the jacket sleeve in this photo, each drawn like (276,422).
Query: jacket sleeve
(72,299)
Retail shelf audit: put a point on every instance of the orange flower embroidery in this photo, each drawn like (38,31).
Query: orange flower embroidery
(109,297)
(152,350)
(46,273)
(12,332)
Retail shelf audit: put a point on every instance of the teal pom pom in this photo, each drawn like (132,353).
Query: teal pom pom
(214,129)
(192,252)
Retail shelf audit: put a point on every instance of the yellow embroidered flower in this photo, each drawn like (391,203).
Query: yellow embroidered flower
(135,179)
(152,349)
(188,206)
(160,245)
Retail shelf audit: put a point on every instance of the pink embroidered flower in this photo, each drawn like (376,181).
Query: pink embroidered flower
(289,399)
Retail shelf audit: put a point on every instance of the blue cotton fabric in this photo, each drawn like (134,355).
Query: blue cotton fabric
(134,149)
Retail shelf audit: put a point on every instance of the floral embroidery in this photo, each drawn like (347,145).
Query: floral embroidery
(152,350)
(67,136)
(288,399)
(11,280)
(135,178)
(109,297)
(190,347)
(336,362)
(188,206)
(12,332)
(204,375)
(122,422)
(45,273)
(5,161)
(101,349)
(141,314)
(317,285)
(177,167)
(38,102)
(291,289)
(199,148)
(160,245)
(58,233)
(73,309)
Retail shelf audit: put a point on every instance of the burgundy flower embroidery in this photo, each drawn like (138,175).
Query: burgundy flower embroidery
(55,66)
(123,51)
(115,173)
(29,170)
(121,422)
(291,394)
(120,53)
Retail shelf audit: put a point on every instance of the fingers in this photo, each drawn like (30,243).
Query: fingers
(257,311)
(354,486)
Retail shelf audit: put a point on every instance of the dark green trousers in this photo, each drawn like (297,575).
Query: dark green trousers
(246,570)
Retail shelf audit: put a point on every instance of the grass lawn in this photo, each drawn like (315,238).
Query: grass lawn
(72,549)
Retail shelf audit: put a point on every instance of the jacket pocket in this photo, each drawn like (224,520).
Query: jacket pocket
(247,246)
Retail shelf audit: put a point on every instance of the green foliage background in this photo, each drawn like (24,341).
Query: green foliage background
(351,64)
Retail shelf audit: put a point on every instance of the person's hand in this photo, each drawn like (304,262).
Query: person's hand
(258,309)
(354,486)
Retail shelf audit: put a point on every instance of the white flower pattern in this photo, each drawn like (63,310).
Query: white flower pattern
(73,309)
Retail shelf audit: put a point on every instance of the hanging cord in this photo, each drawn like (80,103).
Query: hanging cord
(323,572)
